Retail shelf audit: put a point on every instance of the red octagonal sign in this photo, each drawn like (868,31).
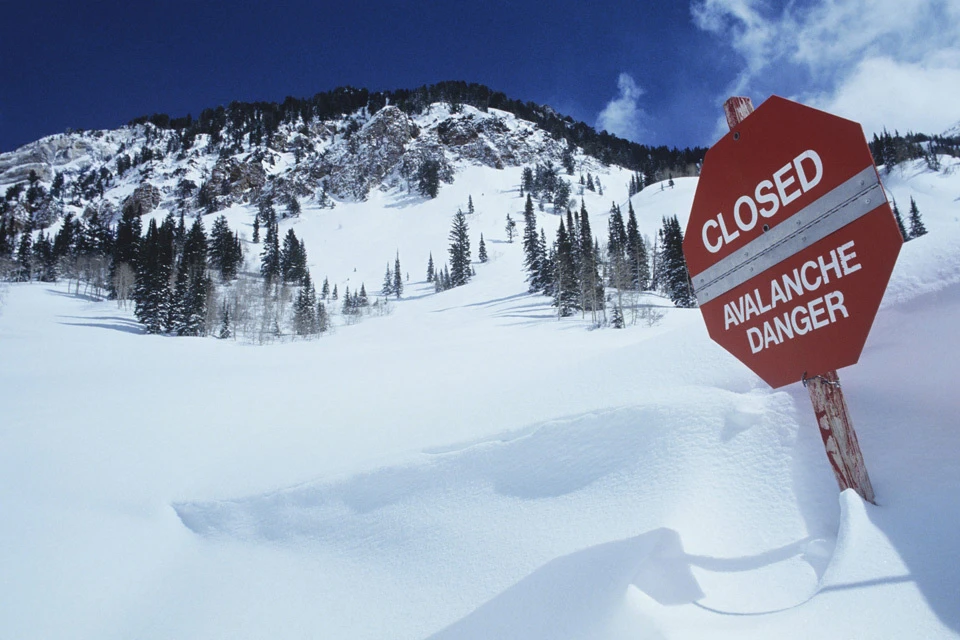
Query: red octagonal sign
(791,241)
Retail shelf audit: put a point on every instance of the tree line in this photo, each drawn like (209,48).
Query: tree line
(576,273)
(257,122)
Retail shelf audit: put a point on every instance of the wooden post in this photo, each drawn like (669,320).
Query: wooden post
(826,395)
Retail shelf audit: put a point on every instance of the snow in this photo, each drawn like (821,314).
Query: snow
(470,467)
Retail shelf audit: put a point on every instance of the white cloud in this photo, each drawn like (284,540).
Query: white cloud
(623,116)
(884,63)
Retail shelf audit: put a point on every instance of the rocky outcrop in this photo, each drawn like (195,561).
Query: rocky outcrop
(242,181)
(143,200)
(42,156)
(363,160)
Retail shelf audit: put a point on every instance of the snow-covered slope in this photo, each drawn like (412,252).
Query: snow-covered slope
(469,466)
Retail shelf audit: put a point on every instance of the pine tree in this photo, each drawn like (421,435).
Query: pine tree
(590,282)
(293,258)
(428,178)
(482,250)
(25,257)
(617,320)
(225,330)
(397,278)
(511,228)
(546,273)
(334,296)
(617,252)
(256,228)
(270,256)
(223,249)
(150,292)
(430,269)
(459,251)
(898,217)
(323,318)
(531,246)
(470,209)
(917,228)
(387,287)
(126,247)
(325,291)
(636,253)
(566,285)
(304,309)
(675,279)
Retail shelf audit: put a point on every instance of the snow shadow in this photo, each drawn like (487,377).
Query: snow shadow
(586,594)
(76,296)
(545,461)
(581,595)
(114,323)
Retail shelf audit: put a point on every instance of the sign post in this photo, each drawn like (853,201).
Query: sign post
(790,245)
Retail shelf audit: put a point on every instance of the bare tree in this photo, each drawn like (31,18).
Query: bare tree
(124,279)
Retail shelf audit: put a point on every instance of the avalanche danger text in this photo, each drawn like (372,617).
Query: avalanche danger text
(803,318)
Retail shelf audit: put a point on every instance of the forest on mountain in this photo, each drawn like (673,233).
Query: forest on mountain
(257,121)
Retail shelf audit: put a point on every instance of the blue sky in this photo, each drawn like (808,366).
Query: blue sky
(655,72)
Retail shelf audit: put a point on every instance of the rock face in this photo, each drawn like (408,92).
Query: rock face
(143,167)
(363,160)
(42,157)
(143,200)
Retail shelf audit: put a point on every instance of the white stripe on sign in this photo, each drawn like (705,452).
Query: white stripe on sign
(853,199)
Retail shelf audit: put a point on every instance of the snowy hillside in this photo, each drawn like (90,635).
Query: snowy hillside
(468,466)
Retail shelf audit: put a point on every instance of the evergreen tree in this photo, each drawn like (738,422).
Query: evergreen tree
(482,250)
(430,269)
(293,207)
(362,300)
(617,320)
(64,243)
(470,209)
(675,280)
(225,330)
(126,248)
(428,178)
(43,259)
(188,305)
(561,194)
(533,258)
(270,257)
(898,217)
(459,251)
(590,282)
(917,228)
(293,259)
(305,309)
(566,286)
(511,228)
(526,181)
(546,274)
(325,291)
(256,228)
(387,287)
(397,279)
(151,290)
(636,253)
(334,296)
(223,254)
(617,253)
(323,318)
(25,257)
